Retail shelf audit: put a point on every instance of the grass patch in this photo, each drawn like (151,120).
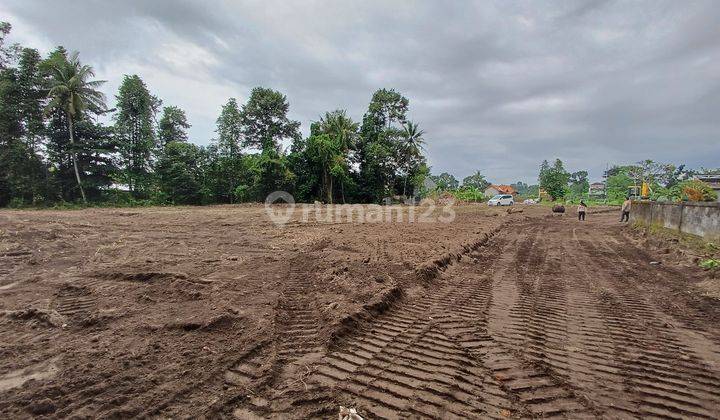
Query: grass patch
(710,263)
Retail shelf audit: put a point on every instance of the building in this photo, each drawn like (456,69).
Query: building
(597,189)
(711,179)
(494,190)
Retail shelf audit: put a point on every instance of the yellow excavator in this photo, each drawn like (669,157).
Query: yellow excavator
(639,192)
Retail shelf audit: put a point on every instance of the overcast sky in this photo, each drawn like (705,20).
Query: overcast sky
(497,85)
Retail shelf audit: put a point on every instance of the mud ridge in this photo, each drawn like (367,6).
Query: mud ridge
(141,277)
(426,271)
(352,322)
(430,270)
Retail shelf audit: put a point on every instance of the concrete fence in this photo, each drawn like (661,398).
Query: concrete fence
(701,219)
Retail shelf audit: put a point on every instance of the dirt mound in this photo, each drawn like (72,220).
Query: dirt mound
(36,316)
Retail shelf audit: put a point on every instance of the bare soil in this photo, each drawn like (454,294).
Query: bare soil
(218,312)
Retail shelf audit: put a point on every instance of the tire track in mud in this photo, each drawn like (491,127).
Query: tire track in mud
(412,361)
(662,372)
(436,358)
(527,320)
(298,322)
(602,340)
(297,328)
(543,321)
(9,262)
(564,335)
(75,302)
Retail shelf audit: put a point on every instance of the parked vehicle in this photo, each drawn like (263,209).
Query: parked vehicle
(501,200)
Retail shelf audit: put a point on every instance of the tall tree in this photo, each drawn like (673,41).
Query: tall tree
(32,97)
(343,131)
(554,179)
(326,152)
(72,92)
(411,146)
(651,172)
(227,168)
(378,151)
(265,122)
(579,183)
(173,125)
(18,163)
(180,172)
(134,128)
(229,129)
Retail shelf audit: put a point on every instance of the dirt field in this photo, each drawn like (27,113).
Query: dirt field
(218,312)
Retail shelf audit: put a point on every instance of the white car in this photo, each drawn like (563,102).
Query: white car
(501,200)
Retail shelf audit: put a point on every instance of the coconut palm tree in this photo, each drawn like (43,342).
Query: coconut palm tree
(412,143)
(72,92)
(341,128)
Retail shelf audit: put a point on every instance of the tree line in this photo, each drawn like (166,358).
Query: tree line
(55,147)
(667,182)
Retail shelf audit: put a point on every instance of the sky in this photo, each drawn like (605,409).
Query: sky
(497,86)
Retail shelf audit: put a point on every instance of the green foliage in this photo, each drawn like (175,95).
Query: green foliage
(579,184)
(265,125)
(242,193)
(445,182)
(617,187)
(525,190)
(476,181)
(229,129)
(265,122)
(135,131)
(173,125)
(693,190)
(410,151)
(332,155)
(554,179)
(470,194)
(379,151)
(710,264)
(73,93)
(7,53)
(32,97)
(179,172)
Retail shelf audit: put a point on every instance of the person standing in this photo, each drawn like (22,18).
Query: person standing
(625,216)
(582,208)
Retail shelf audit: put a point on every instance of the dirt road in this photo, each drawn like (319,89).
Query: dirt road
(552,317)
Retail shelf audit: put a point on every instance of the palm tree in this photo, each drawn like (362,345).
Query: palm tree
(412,143)
(341,128)
(72,92)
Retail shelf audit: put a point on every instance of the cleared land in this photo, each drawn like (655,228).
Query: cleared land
(218,312)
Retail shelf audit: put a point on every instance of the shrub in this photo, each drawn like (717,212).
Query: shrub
(242,193)
(469,194)
(694,190)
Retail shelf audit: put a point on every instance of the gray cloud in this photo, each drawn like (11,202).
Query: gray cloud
(496,86)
